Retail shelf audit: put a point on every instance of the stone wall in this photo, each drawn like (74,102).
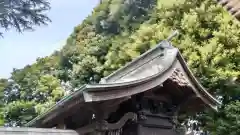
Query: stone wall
(35,131)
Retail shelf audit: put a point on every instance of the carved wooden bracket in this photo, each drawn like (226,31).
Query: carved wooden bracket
(105,126)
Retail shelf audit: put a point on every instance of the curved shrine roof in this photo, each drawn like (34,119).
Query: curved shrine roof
(146,72)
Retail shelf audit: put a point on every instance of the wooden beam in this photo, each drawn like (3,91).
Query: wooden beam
(163,97)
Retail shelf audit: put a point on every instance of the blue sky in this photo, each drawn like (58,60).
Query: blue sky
(18,50)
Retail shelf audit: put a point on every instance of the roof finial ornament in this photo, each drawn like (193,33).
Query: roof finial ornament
(167,43)
(174,34)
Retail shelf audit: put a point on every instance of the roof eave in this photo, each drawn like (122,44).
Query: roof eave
(56,107)
(213,102)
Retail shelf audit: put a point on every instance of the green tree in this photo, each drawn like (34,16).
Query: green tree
(119,31)
(23,15)
(19,112)
(3,86)
(228,122)
(30,91)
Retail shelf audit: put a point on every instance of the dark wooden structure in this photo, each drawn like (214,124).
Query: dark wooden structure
(145,97)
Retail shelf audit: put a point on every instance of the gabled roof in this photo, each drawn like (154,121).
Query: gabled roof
(149,70)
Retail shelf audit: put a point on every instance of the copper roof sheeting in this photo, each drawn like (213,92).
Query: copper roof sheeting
(232,6)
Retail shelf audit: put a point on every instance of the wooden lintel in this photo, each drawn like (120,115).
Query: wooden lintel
(164,97)
(113,103)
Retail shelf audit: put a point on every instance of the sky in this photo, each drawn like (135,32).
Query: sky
(17,50)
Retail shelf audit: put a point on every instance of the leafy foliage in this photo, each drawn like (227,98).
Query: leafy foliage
(119,31)
(23,14)
(19,112)
(230,121)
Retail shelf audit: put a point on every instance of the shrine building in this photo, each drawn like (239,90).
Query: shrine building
(145,97)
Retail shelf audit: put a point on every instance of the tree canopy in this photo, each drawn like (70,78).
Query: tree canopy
(120,30)
(23,14)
